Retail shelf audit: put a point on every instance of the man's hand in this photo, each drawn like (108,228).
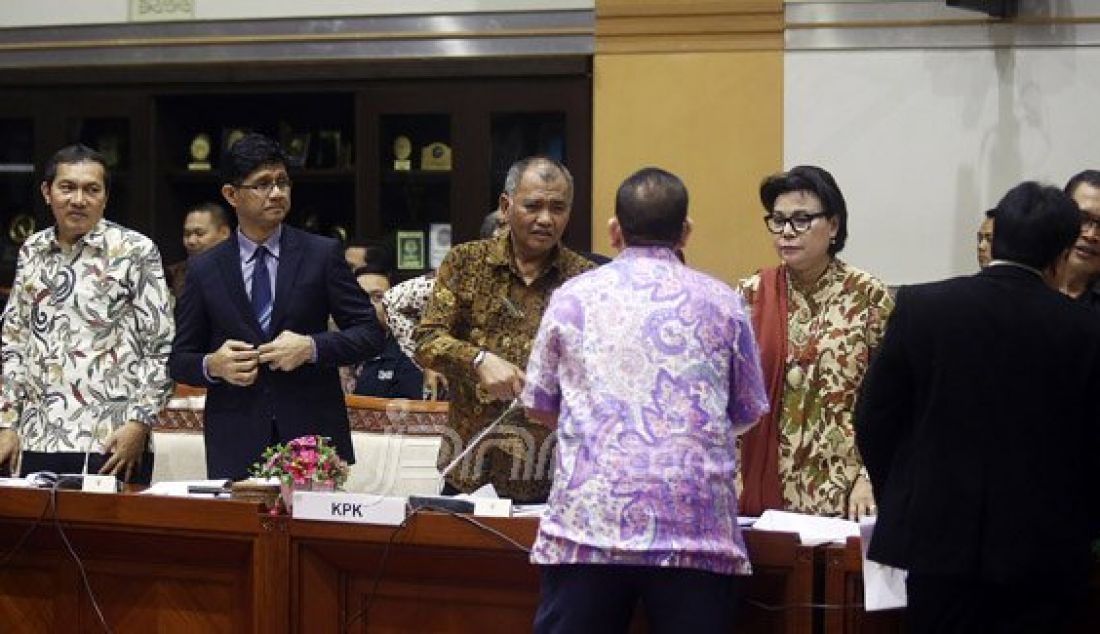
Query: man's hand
(235,362)
(9,449)
(126,444)
(861,502)
(434,383)
(500,378)
(287,351)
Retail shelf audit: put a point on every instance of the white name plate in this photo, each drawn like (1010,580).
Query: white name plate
(355,508)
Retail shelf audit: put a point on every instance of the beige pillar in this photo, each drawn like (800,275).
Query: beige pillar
(693,87)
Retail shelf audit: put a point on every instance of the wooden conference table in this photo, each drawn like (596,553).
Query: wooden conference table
(159,564)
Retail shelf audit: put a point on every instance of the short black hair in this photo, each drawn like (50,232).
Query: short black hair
(217,212)
(1088,177)
(651,207)
(249,154)
(820,183)
(373,268)
(1034,225)
(76,153)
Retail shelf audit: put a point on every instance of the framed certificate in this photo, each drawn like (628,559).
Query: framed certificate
(439,242)
(410,250)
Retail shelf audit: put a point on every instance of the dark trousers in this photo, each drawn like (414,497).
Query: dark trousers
(958,603)
(73,462)
(595,598)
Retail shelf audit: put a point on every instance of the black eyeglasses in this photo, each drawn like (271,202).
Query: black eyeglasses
(1089,221)
(800,223)
(265,187)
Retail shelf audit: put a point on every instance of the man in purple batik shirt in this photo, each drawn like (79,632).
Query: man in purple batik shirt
(649,371)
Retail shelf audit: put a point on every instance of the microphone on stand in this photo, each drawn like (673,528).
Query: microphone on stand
(94,482)
(448,502)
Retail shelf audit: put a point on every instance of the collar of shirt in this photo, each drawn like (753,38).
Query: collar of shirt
(95,238)
(248,247)
(501,254)
(1018,265)
(652,252)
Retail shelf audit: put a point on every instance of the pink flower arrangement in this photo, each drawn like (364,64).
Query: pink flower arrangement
(303,460)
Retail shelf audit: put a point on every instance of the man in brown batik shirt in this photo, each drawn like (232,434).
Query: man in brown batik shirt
(481,320)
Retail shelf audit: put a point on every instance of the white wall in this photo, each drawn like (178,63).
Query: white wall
(23,13)
(923,141)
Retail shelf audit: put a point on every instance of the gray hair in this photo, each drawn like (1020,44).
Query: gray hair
(520,167)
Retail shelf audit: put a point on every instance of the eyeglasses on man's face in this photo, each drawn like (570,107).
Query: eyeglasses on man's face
(265,187)
(1089,221)
(800,223)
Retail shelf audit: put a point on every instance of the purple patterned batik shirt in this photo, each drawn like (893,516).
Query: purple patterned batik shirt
(653,370)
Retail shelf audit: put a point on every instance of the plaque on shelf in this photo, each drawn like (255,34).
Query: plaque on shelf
(327,153)
(436,157)
(402,150)
(200,153)
(230,136)
(110,147)
(410,250)
(21,227)
(439,242)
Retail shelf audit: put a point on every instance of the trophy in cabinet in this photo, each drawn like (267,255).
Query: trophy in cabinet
(402,150)
(200,153)
(436,157)
(21,227)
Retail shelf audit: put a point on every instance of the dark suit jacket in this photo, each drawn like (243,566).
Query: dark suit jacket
(978,422)
(313,283)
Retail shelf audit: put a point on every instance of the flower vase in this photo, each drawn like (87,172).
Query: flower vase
(288,489)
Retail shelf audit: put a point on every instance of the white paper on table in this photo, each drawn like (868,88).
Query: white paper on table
(812,530)
(487,491)
(528,510)
(178,488)
(19,483)
(883,586)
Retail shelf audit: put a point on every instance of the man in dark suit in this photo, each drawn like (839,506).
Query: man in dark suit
(252,323)
(978,424)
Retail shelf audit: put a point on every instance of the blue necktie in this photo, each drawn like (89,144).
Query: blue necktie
(261,289)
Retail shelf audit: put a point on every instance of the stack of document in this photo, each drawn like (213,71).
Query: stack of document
(812,530)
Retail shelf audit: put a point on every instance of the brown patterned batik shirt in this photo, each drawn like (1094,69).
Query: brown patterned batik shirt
(832,328)
(480,302)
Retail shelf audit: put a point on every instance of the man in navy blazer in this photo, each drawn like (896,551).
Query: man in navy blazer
(252,322)
(979,427)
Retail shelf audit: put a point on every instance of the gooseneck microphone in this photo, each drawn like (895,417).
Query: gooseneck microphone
(515,404)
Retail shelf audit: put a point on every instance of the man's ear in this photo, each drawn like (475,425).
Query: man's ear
(685,233)
(46,192)
(615,233)
(229,193)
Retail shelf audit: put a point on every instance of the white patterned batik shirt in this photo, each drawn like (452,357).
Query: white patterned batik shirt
(86,337)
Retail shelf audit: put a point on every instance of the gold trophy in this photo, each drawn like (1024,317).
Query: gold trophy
(200,153)
(402,150)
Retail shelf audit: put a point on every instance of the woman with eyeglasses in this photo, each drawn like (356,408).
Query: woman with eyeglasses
(817,320)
